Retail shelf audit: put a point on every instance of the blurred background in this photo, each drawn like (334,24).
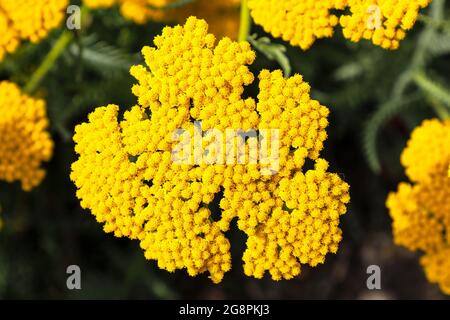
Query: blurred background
(374,101)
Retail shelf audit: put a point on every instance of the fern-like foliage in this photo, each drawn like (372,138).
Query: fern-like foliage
(433,88)
(385,112)
(102,57)
(272,51)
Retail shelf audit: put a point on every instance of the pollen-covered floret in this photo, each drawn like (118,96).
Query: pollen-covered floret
(126,173)
(24,140)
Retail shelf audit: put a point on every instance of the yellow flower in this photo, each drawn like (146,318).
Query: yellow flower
(24,140)
(95,4)
(428,150)
(421,212)
(299,22)
(385,22)
(222,16)
(437,268)
(126,174)
(9,39)
(30,20)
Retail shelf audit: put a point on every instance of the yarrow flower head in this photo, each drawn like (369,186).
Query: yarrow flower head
(24,140)
(30,20)
(126,174)
(421,211)
(222,16)
(384,22)
(299,22)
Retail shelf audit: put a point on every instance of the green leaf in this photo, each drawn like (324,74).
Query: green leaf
(433,88)
(439,44)
(102,57)
(349,71)
(386,111)
(273,51)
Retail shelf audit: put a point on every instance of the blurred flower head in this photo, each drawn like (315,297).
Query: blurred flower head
(421,211)
(384,22)
(30,20)
(24,140)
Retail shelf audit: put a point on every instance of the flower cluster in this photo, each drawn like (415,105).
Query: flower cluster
(384,22)
(222,16)
(28,20)
(126,176)
(24,141)
(299,22)
(421,211)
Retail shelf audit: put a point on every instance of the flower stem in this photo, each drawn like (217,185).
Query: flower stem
(441,111)
(58,48)
(436,91)
(245,22)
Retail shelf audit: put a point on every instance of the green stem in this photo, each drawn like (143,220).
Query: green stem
(432,88)
(440,110)
(58,48)
(245,22)
(437,24)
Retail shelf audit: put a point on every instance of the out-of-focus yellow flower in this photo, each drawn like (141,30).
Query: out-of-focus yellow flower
(28,20)
(421,212)
(384,22)
(9,39)
(222,16)
(95,4)
(428,150)
(299,22)
(437,268)
(24,140)
(126,176)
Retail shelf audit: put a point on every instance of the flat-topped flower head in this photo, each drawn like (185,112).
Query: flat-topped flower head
(384,22)
(130,177)
(24,140)
(29,20)
(428,150)
(298,22)
(421,212)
